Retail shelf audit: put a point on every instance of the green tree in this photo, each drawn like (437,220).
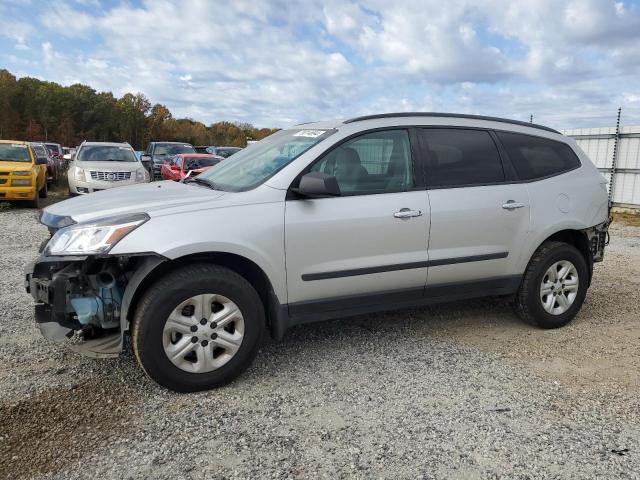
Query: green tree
(32,109)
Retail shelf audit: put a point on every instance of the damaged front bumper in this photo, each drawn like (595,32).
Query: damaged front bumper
(83,301)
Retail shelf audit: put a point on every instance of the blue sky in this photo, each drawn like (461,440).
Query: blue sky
(275,63)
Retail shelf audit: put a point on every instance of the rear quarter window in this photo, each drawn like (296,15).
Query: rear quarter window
(534,157)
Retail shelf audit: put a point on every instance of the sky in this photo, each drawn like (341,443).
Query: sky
(277,63)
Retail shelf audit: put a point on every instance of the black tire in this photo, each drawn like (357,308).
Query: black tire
(170,290)
(44,191)
(528,304)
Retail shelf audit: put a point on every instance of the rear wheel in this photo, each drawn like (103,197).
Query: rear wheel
(554,286)
(44,191)
(198,328)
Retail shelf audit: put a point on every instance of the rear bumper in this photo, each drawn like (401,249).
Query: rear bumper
(598,238)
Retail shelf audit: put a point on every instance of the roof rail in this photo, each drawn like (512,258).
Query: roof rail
(450,115)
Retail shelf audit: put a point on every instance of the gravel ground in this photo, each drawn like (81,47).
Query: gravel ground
(463,390)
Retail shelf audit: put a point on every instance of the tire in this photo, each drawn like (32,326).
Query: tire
(35,203)
(165,297)
(44,191)
(530,302)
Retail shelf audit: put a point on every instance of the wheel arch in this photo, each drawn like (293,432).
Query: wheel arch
(574,237)
(243,266)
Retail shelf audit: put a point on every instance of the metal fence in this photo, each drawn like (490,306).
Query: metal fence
(616,153)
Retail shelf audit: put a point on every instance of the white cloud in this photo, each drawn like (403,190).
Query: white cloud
(66,20)
(274,63)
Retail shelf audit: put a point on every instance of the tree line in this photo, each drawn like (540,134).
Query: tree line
(32,109)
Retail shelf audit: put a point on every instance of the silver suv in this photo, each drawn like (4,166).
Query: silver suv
(320,221)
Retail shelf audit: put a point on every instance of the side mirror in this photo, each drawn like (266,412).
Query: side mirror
(42,161)
(174,167)
(318,184)
(145,158)
(67,157)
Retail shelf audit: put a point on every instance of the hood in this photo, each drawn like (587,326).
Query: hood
(13,166)
(110,166)
(152,198)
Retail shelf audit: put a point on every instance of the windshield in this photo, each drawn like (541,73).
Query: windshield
(255,164)
(53,147)
(106,153)
(14,152)
(172,149)
(39,149)
(191,163)
(227,152)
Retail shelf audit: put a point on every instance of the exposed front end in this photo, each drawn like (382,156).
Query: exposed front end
(82,299)
(78,302)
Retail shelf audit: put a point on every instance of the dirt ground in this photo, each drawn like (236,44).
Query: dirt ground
(462,390)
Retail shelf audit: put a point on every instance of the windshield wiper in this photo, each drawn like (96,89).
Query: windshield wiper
(201,181)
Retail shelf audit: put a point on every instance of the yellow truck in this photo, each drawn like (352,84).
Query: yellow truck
(23,176)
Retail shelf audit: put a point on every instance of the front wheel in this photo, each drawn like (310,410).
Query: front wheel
(554,286)
(198,328)
(35,203)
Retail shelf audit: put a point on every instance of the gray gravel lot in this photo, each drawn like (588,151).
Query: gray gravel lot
(463,390)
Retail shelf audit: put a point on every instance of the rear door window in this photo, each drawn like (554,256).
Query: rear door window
(535,157)
(460,157)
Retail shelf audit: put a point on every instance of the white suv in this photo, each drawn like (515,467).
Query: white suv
(321,221)
(101,165)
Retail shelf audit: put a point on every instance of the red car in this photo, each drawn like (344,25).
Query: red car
(187,164)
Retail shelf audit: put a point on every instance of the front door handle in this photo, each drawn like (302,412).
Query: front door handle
(407,213)
(512,205)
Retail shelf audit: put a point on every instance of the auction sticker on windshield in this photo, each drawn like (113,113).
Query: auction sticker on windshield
(18,145)
(309,133)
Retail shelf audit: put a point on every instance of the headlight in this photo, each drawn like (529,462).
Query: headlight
(21,173)
(94,237)
(20,182)
(79,174)
(142,175)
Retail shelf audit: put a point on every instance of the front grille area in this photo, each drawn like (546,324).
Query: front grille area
(110,176)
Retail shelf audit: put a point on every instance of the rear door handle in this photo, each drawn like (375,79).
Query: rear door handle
(512,205)
(407,213)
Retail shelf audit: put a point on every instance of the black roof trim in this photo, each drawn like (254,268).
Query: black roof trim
(450,115)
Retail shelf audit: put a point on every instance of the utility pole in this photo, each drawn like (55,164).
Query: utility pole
(614,160)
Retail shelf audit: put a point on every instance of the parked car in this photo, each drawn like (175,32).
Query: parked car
(52,164)
(184,164)
(23,174)
(223,151)
(68,153)
(322,221)
(104,165)
(159,152)
(55,149)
